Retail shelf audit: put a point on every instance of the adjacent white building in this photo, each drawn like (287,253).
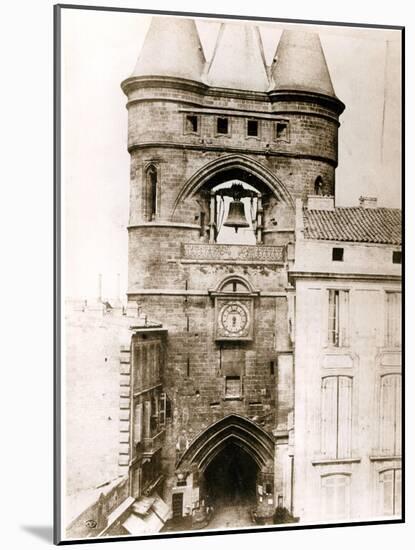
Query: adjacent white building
(347,418)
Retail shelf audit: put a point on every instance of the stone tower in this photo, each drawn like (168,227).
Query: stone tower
(196,129)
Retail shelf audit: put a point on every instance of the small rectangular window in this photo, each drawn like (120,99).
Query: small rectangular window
(252,128)
(397,257)
(337,254)
(222,125)
(191,124)
(181,483)
(232,387)
(281,130)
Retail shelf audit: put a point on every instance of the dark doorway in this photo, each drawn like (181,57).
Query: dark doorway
(231,477)
(177,506)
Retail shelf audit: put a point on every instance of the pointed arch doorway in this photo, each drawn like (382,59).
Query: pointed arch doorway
(230,478)
(229,464)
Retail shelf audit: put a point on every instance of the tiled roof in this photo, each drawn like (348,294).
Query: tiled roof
(354,224)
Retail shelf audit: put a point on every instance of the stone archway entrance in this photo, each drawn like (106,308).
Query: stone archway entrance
(231,477)
(229,465)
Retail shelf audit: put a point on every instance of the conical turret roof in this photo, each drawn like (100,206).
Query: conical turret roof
(171,48)
(299,64)
(238,59)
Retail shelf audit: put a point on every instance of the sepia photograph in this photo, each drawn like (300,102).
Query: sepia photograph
(229,198)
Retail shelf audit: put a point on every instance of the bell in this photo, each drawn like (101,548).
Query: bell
(236,215)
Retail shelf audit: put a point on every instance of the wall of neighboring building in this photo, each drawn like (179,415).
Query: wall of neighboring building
(92,379)
(339,451)
(367,258)
(104,384)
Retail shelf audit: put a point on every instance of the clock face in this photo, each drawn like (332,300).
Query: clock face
(234,319)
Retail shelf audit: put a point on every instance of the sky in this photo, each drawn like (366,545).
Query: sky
(100,49)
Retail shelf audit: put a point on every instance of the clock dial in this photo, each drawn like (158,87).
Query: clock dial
(234,319)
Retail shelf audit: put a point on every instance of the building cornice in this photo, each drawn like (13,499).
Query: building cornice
(133,82)
(349,276)
(330,102)
(136,82)
(228,149)
(182,292)
(162,224)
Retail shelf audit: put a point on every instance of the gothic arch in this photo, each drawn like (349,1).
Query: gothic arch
(237,278)
(230,165)
(231,429)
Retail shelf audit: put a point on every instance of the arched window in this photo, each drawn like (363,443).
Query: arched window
(151,193)
(318,186)
(234,285)
(390,492)
(336,496)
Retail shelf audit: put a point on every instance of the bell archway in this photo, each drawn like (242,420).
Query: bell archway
(238,196)
(234,167)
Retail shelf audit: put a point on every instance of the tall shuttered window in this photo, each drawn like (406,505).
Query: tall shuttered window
(162,408)
(138,423)
(390,414)
(390,499)
(393,319)
(338,318)
(147,419)
(336,496)
(336,416)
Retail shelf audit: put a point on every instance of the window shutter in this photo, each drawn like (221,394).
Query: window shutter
(157,363)
(343,320)
(386,493)
(329,416)
(397,493)
(389,323)
(328,497)
(162,410)
(152,365)
(144,368)
(147,419)
(336,496)
(397,319)
(387,414)
(398,413)
(333,317)
(393,319)
(138,423)
(340,497)
(344,417)
(137,368)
